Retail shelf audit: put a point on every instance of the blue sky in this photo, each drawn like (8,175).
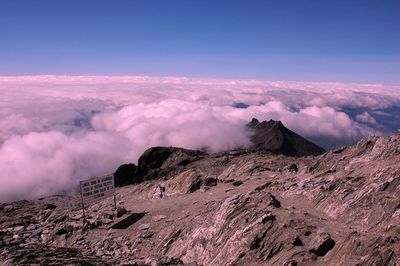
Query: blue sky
(347,41)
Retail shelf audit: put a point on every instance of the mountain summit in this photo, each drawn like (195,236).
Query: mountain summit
(240,207)
(274,136)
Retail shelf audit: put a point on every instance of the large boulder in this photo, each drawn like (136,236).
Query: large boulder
(125,175)
(156,162)
(164,159)
(186,182)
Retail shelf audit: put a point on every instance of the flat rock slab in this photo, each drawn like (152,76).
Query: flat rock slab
(159,217)
(144,226)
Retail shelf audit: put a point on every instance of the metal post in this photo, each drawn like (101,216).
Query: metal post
(83,208)
(113,185)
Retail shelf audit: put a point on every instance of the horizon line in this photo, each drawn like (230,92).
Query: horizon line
(191,78)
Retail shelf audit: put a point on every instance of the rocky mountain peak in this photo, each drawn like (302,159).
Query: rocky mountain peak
(242,207)
(274,136)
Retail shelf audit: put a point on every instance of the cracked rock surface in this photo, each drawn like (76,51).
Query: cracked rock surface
(231,208)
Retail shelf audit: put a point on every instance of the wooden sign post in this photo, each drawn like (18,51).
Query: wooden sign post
(95,189)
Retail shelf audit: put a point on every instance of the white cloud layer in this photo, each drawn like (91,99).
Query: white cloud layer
(57,130)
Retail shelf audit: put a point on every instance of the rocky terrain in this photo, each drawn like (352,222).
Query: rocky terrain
(242,207)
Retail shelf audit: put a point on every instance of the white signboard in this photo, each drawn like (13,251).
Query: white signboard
(97,188)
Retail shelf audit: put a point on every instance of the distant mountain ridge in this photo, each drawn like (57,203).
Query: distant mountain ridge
(274,136)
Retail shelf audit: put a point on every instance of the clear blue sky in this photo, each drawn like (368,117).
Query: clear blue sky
(309,40)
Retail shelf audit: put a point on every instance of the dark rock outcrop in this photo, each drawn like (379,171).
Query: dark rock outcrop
(157,159)
(155,162)
(125,175)
(274,136)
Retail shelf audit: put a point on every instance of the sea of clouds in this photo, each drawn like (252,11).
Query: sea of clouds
(57,130)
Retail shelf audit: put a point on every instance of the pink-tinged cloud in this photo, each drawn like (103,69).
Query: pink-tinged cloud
(57,130)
